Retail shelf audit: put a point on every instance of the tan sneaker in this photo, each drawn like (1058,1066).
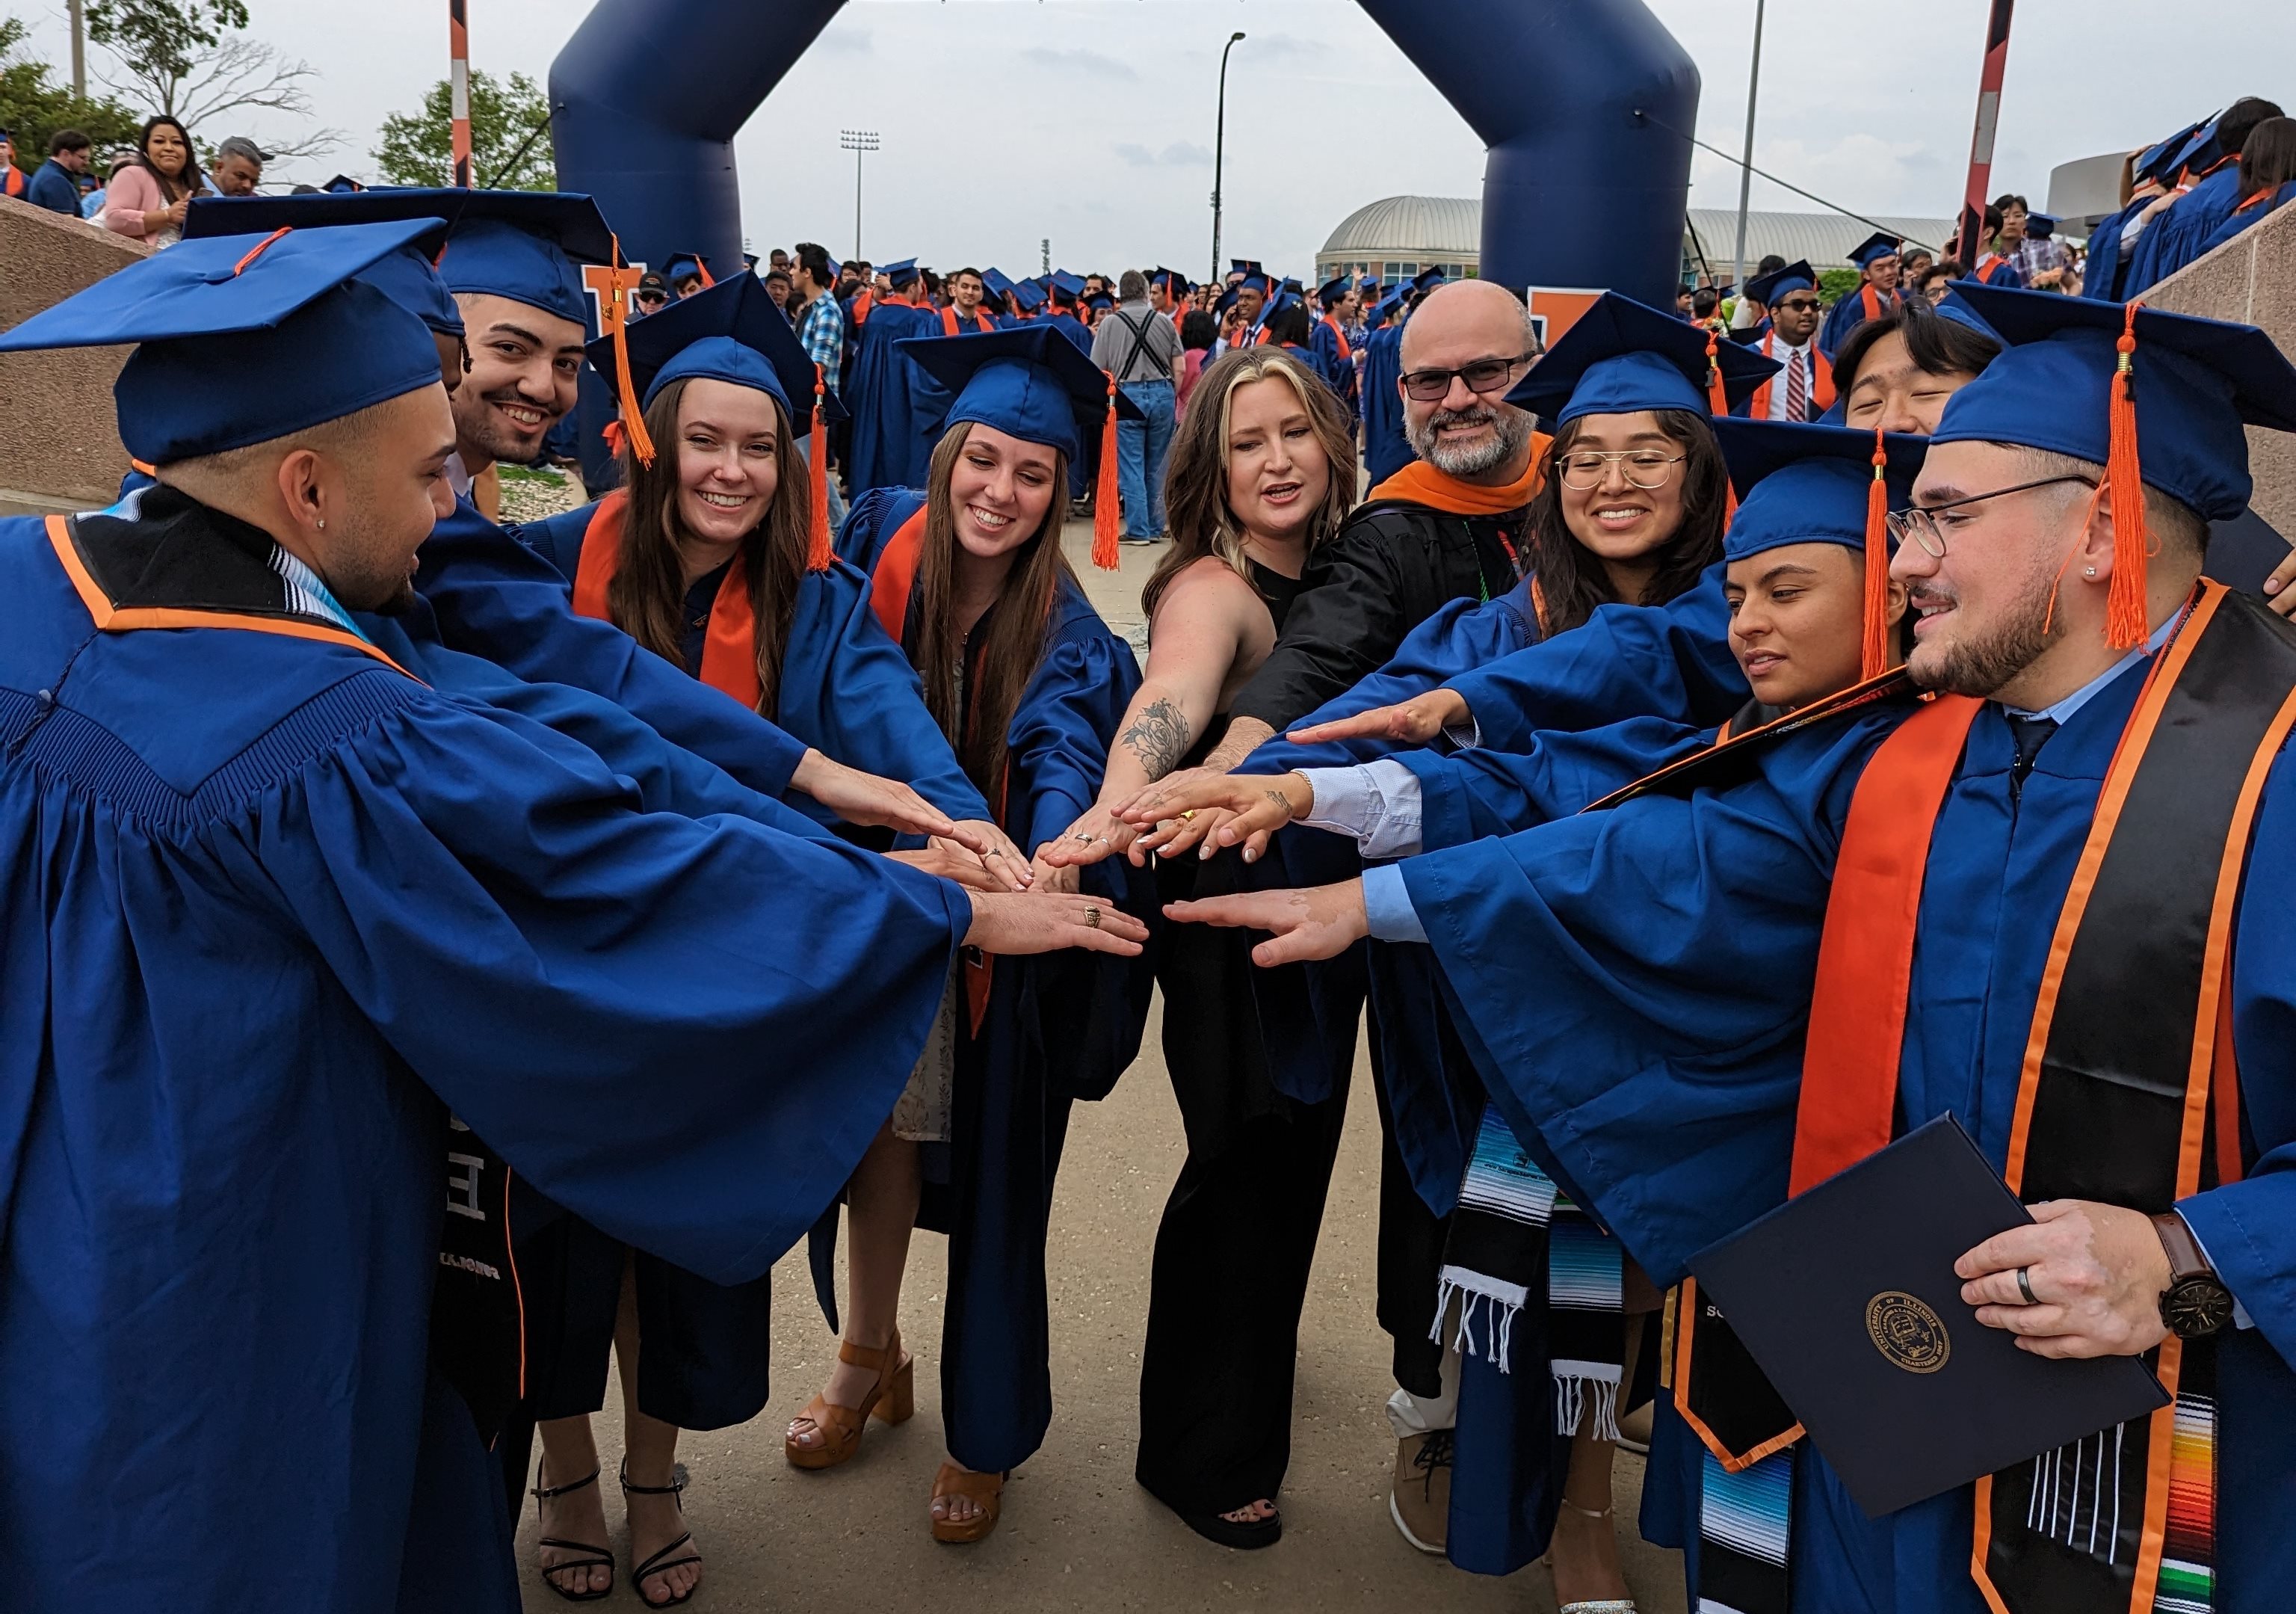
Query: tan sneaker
(1420,1501)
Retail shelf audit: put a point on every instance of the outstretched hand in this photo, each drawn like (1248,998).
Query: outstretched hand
(864,798)
(1416,722)
(1314,922)
(1018,923)
(1098,833)
(1216,810)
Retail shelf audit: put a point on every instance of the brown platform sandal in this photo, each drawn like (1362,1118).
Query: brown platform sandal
(893,1398)
(986,1491)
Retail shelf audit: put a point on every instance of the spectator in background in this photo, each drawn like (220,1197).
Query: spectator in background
(12,182)
(778,259)
(813,308)
(91,206)
(1703,304)
(779,287)
(238,166)
(651,297)
(1749,316)
(1937,280)
(1198,331)
(151,195)
(1683,298)
(56,186)
(1912,263)
(1139,348)
(2042,260)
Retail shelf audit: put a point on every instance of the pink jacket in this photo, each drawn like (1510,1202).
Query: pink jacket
(133,193)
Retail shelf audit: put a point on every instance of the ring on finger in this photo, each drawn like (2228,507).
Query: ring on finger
(2025,1286)
(1189,817)
(1092,917)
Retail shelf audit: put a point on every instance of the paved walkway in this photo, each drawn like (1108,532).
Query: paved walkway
(1077,1533)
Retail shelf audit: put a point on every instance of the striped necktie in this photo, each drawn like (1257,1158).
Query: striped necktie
(1797,388)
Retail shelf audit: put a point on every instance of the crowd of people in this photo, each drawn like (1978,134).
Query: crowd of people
(1688,753)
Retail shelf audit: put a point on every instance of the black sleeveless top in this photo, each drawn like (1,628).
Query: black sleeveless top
(1276,592)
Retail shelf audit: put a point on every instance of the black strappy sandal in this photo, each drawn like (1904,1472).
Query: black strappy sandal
(661,1562)
(597,1554)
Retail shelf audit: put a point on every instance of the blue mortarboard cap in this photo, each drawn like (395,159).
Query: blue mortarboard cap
(2040,226)
(1066,284)
(342,184)
(1027,294)
(903,273)
(1245,266)
(1953,308)
(1100,300)
(1807,484)
(1426,280)
(682,265)
(998,281)
(730,333)
(1226,301)
(239,346)
(1876,247)
(1622,356)
(494,258)
(1333,288)
(405,276)
(1767,289)
(1171,279)
(2158,161)
(2200,148)
(1388,307)
(1254,283)
(2197,381)
(1029,381)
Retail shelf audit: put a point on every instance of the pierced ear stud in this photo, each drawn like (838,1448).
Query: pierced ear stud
(2086,571)
(323,527)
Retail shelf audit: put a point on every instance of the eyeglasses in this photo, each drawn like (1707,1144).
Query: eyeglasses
(1919,524)
(1644,468)
(1801,305)
(1483,376)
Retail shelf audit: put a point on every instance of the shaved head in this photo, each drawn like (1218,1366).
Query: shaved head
(1477,309)
(1475,436)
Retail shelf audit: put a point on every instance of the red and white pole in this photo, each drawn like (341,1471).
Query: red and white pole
(458,43)
(1981,147)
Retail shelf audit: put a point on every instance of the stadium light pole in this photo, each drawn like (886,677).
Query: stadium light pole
(857,141)
(1746,168)
(1219,150)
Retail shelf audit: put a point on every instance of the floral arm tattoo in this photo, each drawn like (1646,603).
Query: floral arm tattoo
(1158,737)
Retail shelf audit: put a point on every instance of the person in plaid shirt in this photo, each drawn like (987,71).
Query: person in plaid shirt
(821,329)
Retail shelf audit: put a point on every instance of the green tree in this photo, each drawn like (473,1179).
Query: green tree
(510,139)
(1835,284)
(188,59)
(35,107)
(162,38)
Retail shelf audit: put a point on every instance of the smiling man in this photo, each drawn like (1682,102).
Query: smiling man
(524,310)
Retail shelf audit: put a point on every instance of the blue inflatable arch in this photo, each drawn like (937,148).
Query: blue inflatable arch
(1585,184)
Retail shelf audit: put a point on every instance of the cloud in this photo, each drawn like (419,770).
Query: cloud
(1077,62)
(1276,49)
(1179,154)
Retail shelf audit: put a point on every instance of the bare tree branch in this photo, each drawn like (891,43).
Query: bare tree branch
(239,75)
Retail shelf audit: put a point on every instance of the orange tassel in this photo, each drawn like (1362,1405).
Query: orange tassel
(1105,555)
(633,418)
(817,552)
(1717,400)
(612,433)
(2125,621)
(1875,657)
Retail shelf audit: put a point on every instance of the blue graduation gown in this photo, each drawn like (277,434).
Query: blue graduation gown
(1843,317)
(1069,326)
(889,447)
(846,690)
(1337,369)
(1386,450)
(2247,218)
(1670,661)
(493,597)
(1057,1028)
(1671,946)
(276,908)
(2101,275)
(2177,236)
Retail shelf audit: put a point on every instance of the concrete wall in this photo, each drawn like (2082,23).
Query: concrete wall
(58,443)
(2251,278)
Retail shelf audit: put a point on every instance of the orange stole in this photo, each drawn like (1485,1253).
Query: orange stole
(729,651)
(1821,392)
(948,322)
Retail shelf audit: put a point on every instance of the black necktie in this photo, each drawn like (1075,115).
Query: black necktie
(2028,734)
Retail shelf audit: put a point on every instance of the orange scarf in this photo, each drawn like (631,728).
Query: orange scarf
(1420,483)
(729,651)
(1339,336)
(949,322)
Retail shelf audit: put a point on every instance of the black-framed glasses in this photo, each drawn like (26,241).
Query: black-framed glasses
(1919,525)
(1485,375)
(1801,305)
(1583,469)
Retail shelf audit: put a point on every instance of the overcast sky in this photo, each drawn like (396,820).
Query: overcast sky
(979,101)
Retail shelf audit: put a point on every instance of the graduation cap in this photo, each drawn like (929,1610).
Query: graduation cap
(1817,484)
(405,276)
(750,260)
(2158,162)
(1246,265)
(734,333)
(1338,286)
(243,342)
(1172,280)
(1254,281)
(1767,289)
(1028,295)
(342,183)
(2174,422)
(1951,307)
(1426,281)
(1874,248)
(1388,307)
(688,265)
(1066,287)
(1622,356)
(904,272)
(1100,302)
(2040,226)
(998,281)
(1035,384)
(2200,149)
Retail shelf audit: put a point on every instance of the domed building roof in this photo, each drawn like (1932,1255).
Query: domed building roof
(1423,227)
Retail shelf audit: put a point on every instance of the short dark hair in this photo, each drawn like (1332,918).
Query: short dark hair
(2267,158)
(2007,199)
(813,257)
(67,140)
(1936,344)
(1290,324)
(1772,262)
(1199,329)
(1704,301)
(956,274)
(781,274)
(2239,120)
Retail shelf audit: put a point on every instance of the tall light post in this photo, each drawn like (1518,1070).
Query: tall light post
(1746,168)
(857,141)
(1219,150)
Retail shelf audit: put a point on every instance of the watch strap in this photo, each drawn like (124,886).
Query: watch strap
(2187,1259)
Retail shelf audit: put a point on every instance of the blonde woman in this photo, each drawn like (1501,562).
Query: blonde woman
(1262,472)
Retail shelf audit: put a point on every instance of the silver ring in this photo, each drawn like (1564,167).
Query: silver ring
(1092,917)
(2025,1286)
(991,852)
(1083,838)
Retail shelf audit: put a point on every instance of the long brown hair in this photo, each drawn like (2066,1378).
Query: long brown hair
(1018,625)
(1572,579)
(647,597)
(1195,477)
(173,187)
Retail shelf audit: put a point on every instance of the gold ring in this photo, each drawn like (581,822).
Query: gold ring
(1092,917)
(1189,817)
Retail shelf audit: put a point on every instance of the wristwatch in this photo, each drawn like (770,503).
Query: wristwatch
(2196,1303)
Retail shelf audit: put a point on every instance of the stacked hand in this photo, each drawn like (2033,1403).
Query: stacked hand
(1041,921)
(1098,833)
(1414,722)
(1210,811)
(1318,922)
